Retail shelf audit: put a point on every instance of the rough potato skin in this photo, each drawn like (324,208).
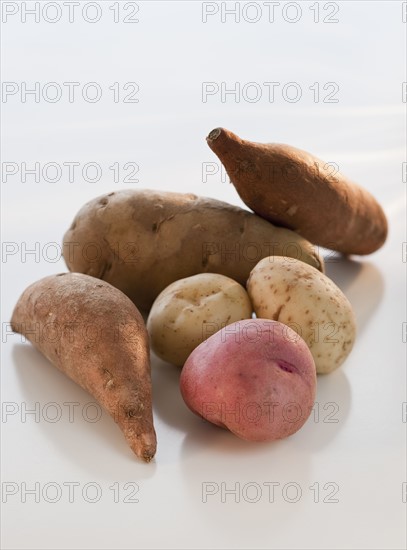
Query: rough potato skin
(310,303)
(295,189)
(95,335)
(255,377)
(141,241)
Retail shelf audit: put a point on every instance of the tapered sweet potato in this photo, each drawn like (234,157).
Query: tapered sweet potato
(141,241)
(94,334)
(294,189)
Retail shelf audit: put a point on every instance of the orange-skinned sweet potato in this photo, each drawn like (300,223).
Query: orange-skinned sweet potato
(294,189)
(95,335)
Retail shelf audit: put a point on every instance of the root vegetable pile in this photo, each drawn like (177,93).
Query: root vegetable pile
(237,299)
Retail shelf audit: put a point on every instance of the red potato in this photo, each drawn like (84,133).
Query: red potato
(95,335)
(255,377)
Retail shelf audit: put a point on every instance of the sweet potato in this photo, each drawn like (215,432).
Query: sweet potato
(294,189)
(95,335)
(141,241)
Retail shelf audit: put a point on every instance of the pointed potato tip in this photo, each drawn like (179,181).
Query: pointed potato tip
(148,453)
(145,453)
(214,134)
(144,446)
(148,456)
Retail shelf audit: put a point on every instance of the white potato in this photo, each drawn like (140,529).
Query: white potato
(190,310)
(308,301)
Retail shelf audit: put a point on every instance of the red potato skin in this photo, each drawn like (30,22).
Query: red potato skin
(255,377)
(294,189)
(95,335)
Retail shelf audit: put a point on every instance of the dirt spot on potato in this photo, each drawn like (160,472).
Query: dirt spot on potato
(106,267)
(277,313)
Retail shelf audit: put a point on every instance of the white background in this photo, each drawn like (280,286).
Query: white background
(170,53)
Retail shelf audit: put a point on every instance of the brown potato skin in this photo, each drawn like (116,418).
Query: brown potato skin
(145,240)
(95,335)
(294,189)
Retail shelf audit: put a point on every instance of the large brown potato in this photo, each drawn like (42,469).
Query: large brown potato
(143,240)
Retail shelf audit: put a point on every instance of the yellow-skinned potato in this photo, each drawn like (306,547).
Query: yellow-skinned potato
(190,310)
(301,297)
(140,241)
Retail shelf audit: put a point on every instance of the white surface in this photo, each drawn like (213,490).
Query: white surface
(170,52)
